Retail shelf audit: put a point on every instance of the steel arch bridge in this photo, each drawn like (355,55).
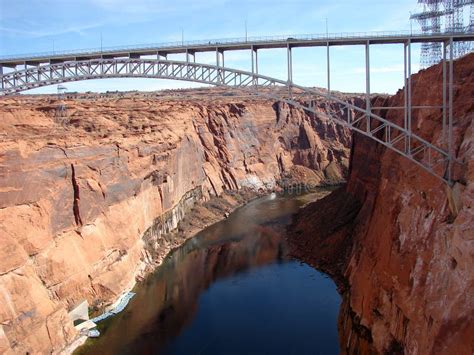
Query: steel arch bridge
(362,120)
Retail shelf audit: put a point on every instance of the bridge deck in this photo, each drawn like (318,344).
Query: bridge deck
(234,44)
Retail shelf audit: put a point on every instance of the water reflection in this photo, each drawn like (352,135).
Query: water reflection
(232,251)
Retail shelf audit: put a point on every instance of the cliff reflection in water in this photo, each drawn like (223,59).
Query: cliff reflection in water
(167,301)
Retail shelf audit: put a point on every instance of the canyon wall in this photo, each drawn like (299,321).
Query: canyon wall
(87,193)
(399,241)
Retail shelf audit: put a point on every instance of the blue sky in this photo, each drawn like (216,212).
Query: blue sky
(28,26)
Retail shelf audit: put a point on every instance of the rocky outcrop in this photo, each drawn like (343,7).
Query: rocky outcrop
(85,198)
(403,238)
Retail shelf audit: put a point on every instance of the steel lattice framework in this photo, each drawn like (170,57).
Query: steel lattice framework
(430,23)
(363,120)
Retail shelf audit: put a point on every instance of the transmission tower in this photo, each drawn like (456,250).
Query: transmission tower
(470,28)
(430,22)
(455,23)
(451,11)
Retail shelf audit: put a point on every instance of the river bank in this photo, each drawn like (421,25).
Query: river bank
(219,258)
(201,215)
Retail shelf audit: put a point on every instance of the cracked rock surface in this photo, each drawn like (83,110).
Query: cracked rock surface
(84,197)
(402,246)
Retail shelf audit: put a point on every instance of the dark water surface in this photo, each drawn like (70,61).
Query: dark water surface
(230,290)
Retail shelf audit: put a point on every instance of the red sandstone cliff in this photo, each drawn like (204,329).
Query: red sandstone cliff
(83,199)
(399,241)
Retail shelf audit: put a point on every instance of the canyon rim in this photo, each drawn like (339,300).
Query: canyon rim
(89,197)
(87,200)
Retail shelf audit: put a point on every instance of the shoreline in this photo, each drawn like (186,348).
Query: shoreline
(187,229)
(192,224)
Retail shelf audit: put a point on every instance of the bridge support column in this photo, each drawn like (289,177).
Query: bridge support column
(256,61)
(367,85)
(1,76)
(160,56)
(219,58)
(450,112)
(328,67)
(405,87)
(408,140)
(219,64)
(254,55)
(444,95)
(407,95)
(188,60)
(290,68)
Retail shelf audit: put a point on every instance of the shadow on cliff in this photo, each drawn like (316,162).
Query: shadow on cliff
(383,236)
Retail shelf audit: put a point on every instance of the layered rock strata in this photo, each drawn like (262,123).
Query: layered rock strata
(398,240)
(87,193)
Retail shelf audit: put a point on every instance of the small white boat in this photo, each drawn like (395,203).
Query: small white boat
(93,333)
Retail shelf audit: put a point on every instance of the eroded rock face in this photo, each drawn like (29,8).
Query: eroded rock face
(407,275)
(81,197)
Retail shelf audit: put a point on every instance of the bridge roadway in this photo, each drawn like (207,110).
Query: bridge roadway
(42,69)
(221,45)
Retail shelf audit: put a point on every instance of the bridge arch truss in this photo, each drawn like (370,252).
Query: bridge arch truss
(436,160)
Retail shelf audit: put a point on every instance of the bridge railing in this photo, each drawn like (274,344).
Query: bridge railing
(221,41)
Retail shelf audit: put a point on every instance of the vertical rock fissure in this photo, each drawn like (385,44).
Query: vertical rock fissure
(75,206)
(132,171)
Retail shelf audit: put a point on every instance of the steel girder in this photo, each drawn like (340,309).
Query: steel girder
(430,157)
